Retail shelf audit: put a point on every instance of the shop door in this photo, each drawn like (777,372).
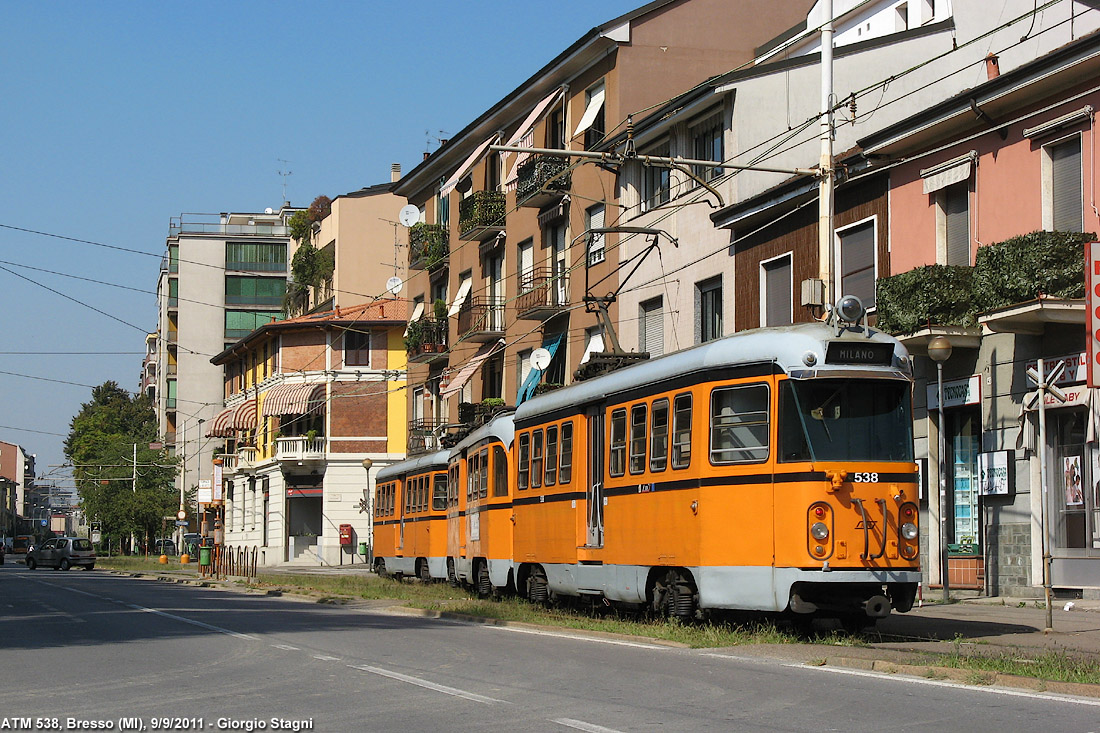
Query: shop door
(1075,487)
(964,433)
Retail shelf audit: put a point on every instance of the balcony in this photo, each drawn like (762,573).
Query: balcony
(542,295)
(426,341)
(229,463)
(214,224)
(481,215)
(481,319)
(543,180)
(424,436)
(300,448)
(173,335)
(246,458)
(428,246)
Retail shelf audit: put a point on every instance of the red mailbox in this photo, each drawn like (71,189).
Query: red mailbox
(345,534)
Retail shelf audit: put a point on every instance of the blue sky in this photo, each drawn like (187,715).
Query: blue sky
(117,116)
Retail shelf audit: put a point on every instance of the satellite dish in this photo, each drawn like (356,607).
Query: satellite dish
(540,359)
(465,184)
(409,215)
(394,284)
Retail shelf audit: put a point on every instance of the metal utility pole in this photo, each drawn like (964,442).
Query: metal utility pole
(825,198)
(1045,385)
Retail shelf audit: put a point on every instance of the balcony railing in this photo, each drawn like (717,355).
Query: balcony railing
(246,457)
(173,335)
(177,225)
(426,340)
(542,294)
(300,448)
(481,215)
(481,319)
(428,246)
(543,180)
(229,462)
(424,435)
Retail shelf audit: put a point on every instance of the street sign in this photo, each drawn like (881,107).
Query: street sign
(43,522)
(181,523)
(181,514)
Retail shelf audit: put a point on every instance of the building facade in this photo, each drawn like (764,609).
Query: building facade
(314,406)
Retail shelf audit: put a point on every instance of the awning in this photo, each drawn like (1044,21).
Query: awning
(460,298)
(294,399)
(595,104)
(471,366)
(523,136)
(527,389)
(948,172)
(470,162)
(227,422)
(417,312)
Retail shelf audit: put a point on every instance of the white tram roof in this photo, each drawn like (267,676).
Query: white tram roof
(427,462)
(500,427)
(784,346)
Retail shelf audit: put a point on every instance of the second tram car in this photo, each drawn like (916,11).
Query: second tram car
(410,509)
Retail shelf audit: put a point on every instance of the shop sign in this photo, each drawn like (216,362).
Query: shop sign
(218,484)
(204,495)
(1092,311)
(1076,366)
(995,473)
(956,392)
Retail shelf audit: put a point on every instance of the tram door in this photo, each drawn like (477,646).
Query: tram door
(405,488)
(595,477)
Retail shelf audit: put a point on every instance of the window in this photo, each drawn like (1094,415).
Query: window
(856,252)
(492,171)
(239,324)
(739,424)
(173,258)
(472,476)
(522,457)
(254,290)
(709,307)
(536,459)
(255,256)
(637,438)
(681,431)
(565,474)
(658,436)
(593,123)
(170,402)
(492,376)
(651,331)
(706,143)
(523,367)
(173,292)
(953,203)
(1063,173)
(555,129)
(617,462)
(554,240)
(439,493)
(656,179)
(483,470)
(526,263)
(594,219)
(776,292)
(500,471)
(356,348)
(551,455)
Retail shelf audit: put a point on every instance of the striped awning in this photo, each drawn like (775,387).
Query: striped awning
(227,422)
(471,366)
(294,399)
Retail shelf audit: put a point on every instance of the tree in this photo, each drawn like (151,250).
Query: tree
(100,445)
(309,267)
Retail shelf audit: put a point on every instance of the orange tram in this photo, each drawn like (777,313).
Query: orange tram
(771,471)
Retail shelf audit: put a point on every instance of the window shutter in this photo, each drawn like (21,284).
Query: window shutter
(957,215)
(1065,164)
(857,263)
(653,318)
(777,292)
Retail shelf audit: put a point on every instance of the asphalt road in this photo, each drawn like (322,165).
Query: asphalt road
(97,648)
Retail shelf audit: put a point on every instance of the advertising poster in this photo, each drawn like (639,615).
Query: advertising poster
(1075,495)
(993,476)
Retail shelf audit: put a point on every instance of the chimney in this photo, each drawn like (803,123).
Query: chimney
(992,66)
(427,155)
(395,172)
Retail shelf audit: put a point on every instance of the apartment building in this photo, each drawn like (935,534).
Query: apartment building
(18,495)
(221,278)
(314,406)
(501,260)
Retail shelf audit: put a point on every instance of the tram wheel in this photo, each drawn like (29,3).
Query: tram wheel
(452,576)
(425,574)
(484,583)
(380,568)
(538,588)
(673,595)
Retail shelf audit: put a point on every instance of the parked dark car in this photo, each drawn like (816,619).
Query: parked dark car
(62,553)
(164,547)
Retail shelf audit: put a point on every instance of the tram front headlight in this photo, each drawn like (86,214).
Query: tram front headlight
(819,531)
(909,531)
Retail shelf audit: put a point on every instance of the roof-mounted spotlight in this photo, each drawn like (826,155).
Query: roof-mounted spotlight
(850,309)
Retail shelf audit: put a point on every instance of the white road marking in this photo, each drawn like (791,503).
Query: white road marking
(426,684)
(165,614)
(955,685)
(326,658)
(577,637)
(581,725)
(286,647)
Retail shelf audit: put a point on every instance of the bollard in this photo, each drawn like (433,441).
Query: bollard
(163,559)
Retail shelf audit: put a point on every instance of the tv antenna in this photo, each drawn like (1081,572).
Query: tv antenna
(284,174)
(428,137)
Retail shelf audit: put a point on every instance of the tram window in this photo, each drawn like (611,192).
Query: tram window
(500,471)
(551,455)
(681,431)
(452,484)
(617,463)
(483,468)
(439,495)
(637,438)
(524,468)
(536,459)
(565,473)
(739,424)
(658,436)
(471,477)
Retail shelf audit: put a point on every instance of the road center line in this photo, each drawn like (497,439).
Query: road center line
(577,637)
(581,725)
(953,685)
(426,684)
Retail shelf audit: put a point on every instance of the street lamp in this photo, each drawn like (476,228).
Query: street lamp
(939,351)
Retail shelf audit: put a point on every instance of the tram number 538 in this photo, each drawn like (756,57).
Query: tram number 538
(865,478)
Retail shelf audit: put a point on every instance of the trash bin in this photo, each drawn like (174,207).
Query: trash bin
(204,555)
(363,549)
